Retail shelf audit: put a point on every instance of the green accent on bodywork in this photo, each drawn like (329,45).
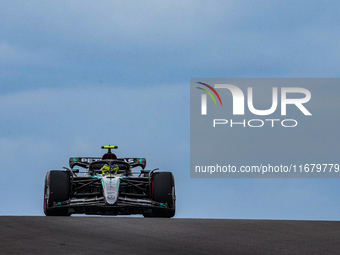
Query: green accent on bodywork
(100,177)
(101,180)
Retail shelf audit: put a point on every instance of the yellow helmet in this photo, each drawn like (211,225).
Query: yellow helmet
(106,170)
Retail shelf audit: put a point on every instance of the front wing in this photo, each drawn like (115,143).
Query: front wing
(98,206)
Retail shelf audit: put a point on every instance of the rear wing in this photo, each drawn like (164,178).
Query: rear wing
(85,161)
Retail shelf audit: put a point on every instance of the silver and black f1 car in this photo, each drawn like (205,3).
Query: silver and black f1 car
(108,186)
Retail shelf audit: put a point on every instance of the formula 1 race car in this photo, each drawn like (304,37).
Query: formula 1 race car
(108,186)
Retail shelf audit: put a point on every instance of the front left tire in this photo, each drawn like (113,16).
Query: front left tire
(57,189)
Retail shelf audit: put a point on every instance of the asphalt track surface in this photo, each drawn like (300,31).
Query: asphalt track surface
(122,235)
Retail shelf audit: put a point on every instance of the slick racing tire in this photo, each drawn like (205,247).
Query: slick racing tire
(163,191)
(57,187)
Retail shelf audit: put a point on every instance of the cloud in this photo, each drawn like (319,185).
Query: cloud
(11,55)
(92,111)
(136,43)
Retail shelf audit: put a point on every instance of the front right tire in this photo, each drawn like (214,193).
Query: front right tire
(163,191)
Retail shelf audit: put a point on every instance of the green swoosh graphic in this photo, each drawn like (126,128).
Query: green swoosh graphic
(208,93)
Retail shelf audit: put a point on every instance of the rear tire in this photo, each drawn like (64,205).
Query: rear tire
(163,191)
(57,188)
